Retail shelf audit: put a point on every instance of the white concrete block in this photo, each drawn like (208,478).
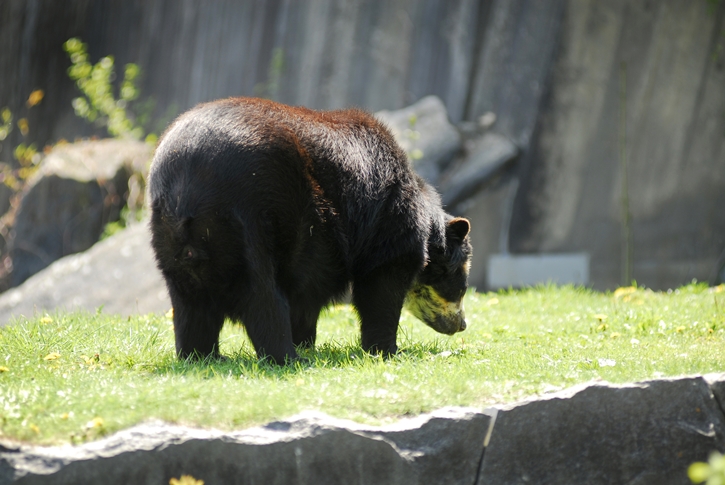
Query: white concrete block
(508,270)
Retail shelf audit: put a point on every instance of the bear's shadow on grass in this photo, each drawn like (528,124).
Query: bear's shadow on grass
(326,356)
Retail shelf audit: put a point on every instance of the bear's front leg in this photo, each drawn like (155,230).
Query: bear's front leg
(197,324)
(303,317)
(378,298)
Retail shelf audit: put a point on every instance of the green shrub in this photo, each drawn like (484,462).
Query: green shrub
(710,473)
(25,154)
(125,117)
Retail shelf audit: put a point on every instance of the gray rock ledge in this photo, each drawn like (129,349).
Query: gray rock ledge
(311,448)
(643,433)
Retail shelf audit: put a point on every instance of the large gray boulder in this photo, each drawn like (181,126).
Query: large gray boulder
(118,274)
(425,133)
(78,189)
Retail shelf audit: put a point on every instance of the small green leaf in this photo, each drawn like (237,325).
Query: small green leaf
(698,472)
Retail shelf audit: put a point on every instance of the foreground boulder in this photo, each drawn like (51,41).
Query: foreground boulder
(77,190)
(118,274)
(645,433)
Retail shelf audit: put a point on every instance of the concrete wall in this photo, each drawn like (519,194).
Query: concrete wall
(476,55)
(374,54)
(663,63)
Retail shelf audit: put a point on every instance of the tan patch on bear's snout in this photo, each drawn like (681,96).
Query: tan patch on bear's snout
(441,315)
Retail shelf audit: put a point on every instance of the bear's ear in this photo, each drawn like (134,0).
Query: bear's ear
(459,227)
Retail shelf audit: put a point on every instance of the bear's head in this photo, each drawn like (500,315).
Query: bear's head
(436,296)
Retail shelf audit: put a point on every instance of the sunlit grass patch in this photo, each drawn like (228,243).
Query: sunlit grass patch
(74,377)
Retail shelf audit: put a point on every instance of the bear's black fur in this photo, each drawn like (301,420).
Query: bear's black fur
(264,213)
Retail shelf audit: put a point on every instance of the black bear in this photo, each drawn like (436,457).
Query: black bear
(264,213)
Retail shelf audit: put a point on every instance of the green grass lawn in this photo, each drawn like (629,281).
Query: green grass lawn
(74,377)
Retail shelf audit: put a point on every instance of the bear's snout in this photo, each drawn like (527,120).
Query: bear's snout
(441,315)
(449,323)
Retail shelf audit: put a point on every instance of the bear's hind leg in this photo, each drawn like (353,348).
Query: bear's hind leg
(266,317)
(197,325)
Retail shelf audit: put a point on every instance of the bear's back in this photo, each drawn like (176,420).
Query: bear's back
(263,150)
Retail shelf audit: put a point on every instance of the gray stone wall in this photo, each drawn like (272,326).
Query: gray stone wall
(643,433)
